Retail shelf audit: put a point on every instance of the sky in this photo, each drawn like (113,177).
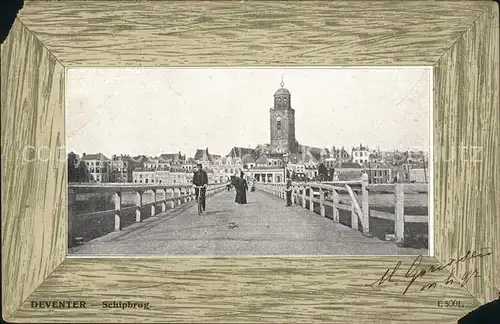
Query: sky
(153,111)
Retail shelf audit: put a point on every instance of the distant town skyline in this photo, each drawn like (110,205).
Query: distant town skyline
(155,111)
(187,155)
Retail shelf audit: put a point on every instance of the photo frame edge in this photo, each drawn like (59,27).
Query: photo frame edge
(485,31)
(46,93)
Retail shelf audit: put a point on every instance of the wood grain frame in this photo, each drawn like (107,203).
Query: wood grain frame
(458,39)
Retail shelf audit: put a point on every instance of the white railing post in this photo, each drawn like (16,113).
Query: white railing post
(399,225)
(321,202)
(138,206)
(311,197)
(365,206)
(354,216)
(172,197)
(163,202)
(153,206)
(303,196)
(335,198)
(118,207)
(179,202)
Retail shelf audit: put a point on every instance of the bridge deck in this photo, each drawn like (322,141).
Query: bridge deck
(265,226)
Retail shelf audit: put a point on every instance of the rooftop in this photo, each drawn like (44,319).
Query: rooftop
(97,156)
(348,165)
(282,92)
(376,165)
(202,155)
(242,151)
(170,157)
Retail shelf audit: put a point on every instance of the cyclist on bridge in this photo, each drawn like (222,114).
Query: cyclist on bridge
(200,179)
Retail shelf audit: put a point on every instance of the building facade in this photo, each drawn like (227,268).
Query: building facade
(156,164)
(267,174)
(340,155)
(121,169)
(378,172)
(360,154)
(173,176)
(98,167)
(142,175)
(419,172)
(329,162)
(419,175)
(347,171)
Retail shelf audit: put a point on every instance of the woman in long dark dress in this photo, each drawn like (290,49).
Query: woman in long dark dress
(236,181)
(241,190)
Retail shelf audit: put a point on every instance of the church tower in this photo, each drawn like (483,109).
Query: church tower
(282,123)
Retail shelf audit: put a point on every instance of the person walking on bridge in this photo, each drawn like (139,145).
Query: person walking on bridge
(200,178)
(288,189)
(241,189)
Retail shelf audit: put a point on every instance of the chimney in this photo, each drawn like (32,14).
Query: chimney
(84,154)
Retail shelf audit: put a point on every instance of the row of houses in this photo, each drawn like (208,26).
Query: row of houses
(176,168)
(167,168)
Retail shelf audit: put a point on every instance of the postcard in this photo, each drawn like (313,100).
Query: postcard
(249,161)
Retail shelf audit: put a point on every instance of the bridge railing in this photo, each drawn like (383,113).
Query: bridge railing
(173,195)
(327,194)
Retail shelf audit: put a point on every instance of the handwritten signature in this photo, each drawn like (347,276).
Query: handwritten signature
(415,271)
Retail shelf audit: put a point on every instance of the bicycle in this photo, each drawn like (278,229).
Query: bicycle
(200,205)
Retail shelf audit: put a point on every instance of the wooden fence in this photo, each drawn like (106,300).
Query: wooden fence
(327,194)
(174,195)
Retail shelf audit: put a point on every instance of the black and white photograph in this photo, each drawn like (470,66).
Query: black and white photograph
(311,161)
